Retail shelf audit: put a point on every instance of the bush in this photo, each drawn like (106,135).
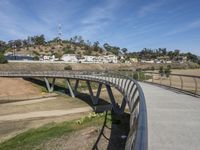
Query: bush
(141,75)
(152,68)
(36,58)
(68,51)
(36,53)
(3,59)
(68,67)
(138,69)
(161,70)
(167,71)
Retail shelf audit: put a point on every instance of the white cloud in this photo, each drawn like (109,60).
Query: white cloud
(146,9)
(184,28)
(98,18)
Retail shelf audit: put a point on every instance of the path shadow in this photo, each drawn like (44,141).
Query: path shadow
(118,127)
(115,128)
(100,107)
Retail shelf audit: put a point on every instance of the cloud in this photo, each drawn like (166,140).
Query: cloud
(98,18)
(187,27)
(146,9)
(19,20)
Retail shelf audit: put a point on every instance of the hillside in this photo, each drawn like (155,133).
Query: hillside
(37,47)
(39,66)
(58,49)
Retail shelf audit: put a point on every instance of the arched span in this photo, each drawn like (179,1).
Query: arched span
(131,90)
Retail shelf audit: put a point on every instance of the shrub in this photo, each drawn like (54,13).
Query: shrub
(36,53)
(167,71)
(152,68)
(68,51)
(36,58)
(3,59)
(141,75)
(161,70)
(138,69)
(68,67)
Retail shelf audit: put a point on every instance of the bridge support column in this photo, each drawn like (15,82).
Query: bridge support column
(50,87)
(76,87)
(123,105)
(70,88)
(94,99)
(115,106)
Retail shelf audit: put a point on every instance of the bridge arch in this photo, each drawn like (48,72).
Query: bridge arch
(131,90)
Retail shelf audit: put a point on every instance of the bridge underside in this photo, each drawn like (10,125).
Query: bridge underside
(94,97)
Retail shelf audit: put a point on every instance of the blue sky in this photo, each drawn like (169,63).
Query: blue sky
(134,24)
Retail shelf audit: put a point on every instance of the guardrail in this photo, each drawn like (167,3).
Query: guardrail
(185,83)
(131,90)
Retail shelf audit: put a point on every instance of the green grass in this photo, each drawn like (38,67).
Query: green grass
(34,137)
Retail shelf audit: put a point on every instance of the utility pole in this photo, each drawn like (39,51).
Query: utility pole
(59,32)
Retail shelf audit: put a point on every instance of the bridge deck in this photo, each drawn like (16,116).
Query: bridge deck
(173,119)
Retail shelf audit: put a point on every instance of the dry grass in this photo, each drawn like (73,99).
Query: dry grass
(62,101)
(188,82)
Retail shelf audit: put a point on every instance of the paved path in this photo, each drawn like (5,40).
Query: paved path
(38,114)
(173,119)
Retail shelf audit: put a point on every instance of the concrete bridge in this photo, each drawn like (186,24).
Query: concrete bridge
(173,117)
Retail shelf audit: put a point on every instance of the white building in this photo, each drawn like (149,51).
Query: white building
(134,60)
(107,59)
(147,61)
(90,59)
(48,58)
(69,58)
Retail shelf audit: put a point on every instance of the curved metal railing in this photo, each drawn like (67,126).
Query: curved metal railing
(131,90)
(186,83)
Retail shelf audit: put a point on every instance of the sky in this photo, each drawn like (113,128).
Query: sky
(132,24)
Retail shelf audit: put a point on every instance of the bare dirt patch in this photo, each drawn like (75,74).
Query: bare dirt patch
(17,87)
(195,72)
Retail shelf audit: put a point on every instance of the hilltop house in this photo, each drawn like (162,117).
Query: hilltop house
(69,58)
(163,59)
(133,60)
(147,61)
(108,59)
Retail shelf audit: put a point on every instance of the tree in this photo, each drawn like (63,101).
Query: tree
(124,50)
(107,47)
(167,71)
(161,70)
(192,57)
(2,58)
(113,49)
(58,55)
(39,40)
(18,43)
(176,52)
(3,46)
(96,46)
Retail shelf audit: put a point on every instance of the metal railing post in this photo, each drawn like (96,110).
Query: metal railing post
(152,78)
(181,82)
(196,85)
(138,76)
(170,80)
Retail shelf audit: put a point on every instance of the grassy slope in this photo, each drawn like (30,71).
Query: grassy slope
(34,137)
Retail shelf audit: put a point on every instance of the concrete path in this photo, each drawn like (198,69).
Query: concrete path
(39,114)
(173,119)
(28,102)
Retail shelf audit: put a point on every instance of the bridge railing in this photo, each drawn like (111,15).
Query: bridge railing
(131,90)
(186,83)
